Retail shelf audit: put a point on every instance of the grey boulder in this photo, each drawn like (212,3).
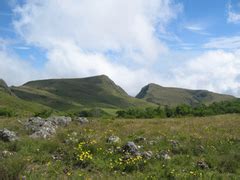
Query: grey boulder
(44,132)
(164,156)
(131,148)
(147,154)
(60,120)
(82,120)
(41,128)
(202,165)
(35,124)
(8,136)
(113,139)
(44,128)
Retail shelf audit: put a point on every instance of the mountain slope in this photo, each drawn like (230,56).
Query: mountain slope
(9,102)
(4,87)
(63,94)
(175,96)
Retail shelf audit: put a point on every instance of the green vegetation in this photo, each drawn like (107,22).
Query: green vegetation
(67,94)
(94,112)
(225,107)
(7,112)
(4,87)
(11,105)
(82,152)
(44,113)
(176,96)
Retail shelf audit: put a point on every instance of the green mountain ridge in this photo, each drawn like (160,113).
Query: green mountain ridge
(174,96)
(98,91)
(65,94)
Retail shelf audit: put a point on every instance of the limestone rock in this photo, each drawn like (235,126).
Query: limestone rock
(113,139)
(8,136)
(82,120)
(131,148)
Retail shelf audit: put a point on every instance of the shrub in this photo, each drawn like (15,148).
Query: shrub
(43,114)
(94,112)
(6,112)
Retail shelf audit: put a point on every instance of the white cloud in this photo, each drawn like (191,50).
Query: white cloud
(119,25)
(224,43)
(214,70)
(194,28)
(15,71)
(197,28)
(233,17)
(22,47)
(77,34)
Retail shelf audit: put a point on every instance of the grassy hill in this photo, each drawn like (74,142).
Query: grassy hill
(64,94)
(175,96)
(13,105)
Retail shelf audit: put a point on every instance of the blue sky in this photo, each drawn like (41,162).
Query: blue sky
(185,43)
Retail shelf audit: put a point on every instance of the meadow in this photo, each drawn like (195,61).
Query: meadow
(182,148)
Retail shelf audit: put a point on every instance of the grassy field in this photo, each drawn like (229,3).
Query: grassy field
(81,151)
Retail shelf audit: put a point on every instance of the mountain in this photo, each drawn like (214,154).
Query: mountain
(64,94)
(11,103)
(174,96)
(4,87)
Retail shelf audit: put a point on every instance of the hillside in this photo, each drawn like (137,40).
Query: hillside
(10,103)
(64,94)
(175,96)
(4,87)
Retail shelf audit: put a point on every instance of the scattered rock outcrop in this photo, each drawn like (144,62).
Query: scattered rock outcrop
(41,128)
(82,120)
(6,154)
(8,136)
(174,143)
(147,154)
(113,139)
(60,120)
(202,165)
(164,155)
(140,139)
(131,148)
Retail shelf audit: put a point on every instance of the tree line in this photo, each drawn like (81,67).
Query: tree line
(225,107)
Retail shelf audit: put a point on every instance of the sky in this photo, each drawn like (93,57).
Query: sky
(191,44)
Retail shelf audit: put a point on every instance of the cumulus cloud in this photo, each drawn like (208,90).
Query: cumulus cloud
(214,70)
(77,35)
(119,25)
